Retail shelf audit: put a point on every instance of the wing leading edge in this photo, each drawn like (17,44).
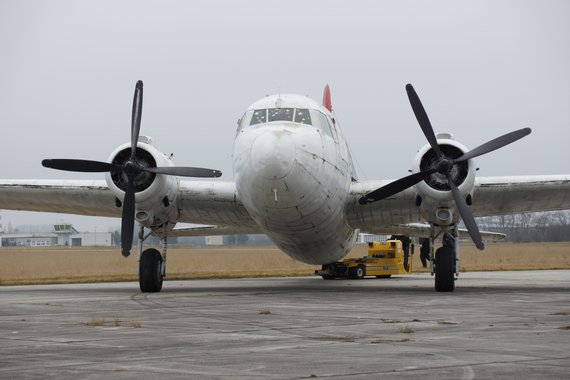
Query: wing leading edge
(80,197)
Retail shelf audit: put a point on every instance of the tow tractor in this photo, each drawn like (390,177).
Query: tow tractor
(384,259)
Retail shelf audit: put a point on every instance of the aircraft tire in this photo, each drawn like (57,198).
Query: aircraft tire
(444,270)
(150,276)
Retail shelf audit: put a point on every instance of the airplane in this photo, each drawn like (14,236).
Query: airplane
(294,181)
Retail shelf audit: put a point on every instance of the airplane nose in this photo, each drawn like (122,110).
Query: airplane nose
(273,154)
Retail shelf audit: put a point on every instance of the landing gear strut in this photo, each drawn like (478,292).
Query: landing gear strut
(152,265)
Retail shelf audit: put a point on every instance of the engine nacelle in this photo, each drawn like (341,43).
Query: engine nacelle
(156,194)
(434,194)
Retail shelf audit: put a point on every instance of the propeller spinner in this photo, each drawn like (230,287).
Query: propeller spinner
(131,168)
(444,166)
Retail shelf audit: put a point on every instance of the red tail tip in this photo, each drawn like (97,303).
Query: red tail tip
(327,98)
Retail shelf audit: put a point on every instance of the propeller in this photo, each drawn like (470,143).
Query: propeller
(444,166)
(131,168)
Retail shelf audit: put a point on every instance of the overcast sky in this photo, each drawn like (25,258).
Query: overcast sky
(481,68)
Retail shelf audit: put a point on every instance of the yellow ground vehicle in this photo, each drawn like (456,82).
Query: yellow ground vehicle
(383,260)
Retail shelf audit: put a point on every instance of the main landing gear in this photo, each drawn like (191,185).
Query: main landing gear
(444,270)
(152,265)
(150,271)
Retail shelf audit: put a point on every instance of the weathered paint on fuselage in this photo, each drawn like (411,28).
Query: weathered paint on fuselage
(294,180)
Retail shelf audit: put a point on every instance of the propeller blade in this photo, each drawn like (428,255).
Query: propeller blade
(86,166)
(128,218)
(136,118)
(422,118)
(494,144)
(395,187)
(184,171)
(466,215)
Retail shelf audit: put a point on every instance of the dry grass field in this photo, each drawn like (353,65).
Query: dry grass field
(59,265)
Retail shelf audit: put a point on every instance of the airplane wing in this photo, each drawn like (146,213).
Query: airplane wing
(491,196)
(80,197)
(201,202)
(215,203)
(511,195)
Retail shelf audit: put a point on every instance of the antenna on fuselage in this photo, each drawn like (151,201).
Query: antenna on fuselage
(279,100)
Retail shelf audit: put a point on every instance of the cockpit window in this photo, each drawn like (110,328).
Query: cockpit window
(299,115)
(321,121)
(280,114)
(259,116)
(302,116)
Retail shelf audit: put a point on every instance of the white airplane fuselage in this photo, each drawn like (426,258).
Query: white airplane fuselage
(293,172)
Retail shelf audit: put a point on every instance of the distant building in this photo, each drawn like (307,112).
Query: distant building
(29,240)
(64,232)
(214,240)
(63,235)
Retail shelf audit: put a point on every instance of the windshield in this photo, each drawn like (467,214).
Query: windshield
(297,115)
(280,114)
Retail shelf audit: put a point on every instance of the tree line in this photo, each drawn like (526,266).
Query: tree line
(530,226)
